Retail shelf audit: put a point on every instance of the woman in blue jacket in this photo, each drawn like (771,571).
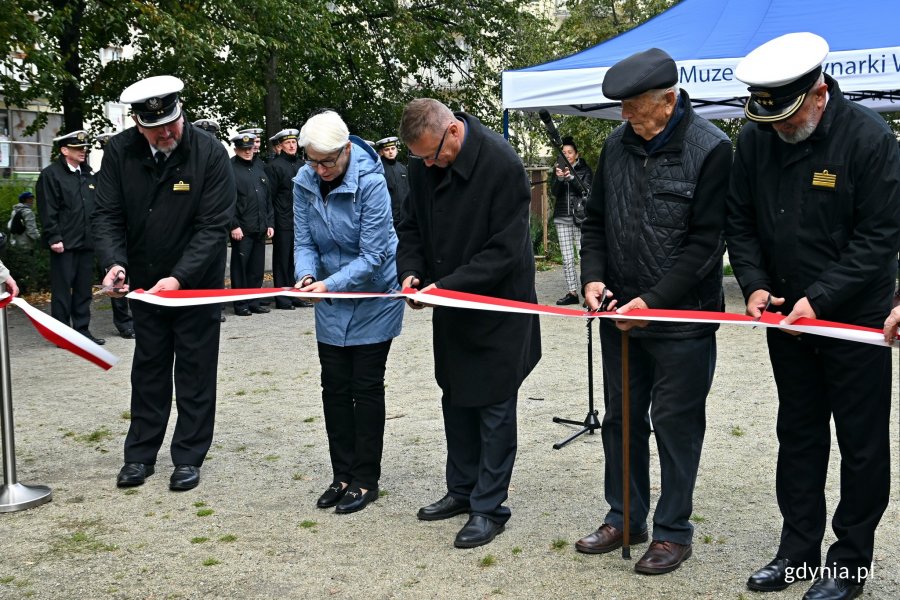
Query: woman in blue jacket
(344,241)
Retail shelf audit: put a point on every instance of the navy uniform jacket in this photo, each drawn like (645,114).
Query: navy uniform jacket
(65,201)
(282,171)
(466,228)
(821,218)
(253,207)
(175,225)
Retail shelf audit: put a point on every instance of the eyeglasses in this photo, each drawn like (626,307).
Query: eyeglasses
(328,163)
(439,148)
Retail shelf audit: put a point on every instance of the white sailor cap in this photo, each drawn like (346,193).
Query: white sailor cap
(286,134)
(387,142)
(102,139)
(210,125)
(73,139)
(243,140)
(253,130)
(780,73)
(154,100)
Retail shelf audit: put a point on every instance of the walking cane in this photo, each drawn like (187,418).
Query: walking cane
(14,496)
(626,454)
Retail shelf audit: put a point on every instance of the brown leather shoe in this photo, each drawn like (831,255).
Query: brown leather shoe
(662,557)
(606,539)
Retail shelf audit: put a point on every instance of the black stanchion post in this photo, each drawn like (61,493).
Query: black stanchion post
(14,496)
(626,451)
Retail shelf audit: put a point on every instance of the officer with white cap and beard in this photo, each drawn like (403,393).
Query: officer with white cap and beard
(813,232)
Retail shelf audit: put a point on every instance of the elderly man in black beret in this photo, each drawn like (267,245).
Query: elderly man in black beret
(813,230)
(653,239)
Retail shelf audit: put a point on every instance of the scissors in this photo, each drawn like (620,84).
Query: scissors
(765,308)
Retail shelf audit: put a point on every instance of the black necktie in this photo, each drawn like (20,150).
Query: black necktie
(160,162)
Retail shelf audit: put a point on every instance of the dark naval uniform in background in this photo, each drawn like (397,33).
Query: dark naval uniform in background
(282,171)
(171,223)
(253,213)
(398,186)
(65,200)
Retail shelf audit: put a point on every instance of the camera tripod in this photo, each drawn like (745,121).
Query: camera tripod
(590,422)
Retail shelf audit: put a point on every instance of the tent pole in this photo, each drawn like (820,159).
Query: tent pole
(506,124)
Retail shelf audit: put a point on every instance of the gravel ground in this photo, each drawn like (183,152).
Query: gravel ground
(251,530)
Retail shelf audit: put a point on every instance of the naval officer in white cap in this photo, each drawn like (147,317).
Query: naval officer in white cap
(165,201)
(813,231)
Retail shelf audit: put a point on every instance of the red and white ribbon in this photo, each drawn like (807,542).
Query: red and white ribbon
(64,336)
(453,299)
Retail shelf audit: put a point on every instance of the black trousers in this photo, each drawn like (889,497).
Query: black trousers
(819,379)
(71,278)
(283,263)
(481,453)
(121,316)
(669,379)
(353,402)
(248,261)
(183,342)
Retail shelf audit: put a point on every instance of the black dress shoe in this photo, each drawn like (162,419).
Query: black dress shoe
(184,477)
(259,310)
(478,531)
(446,507)
(134,474)
(128,334)
(242,312)
(354,499)
(331,496)
(569,298)
(284,306)
(222,318)
(775,576)
(90,336)
(301,303)
(833,589)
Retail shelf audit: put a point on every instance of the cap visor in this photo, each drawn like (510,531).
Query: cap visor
(755,112)
(160,122)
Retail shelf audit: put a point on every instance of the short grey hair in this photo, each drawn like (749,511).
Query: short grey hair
(423,115)
(325,132)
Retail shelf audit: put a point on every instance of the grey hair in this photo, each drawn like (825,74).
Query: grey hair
(660,93)
(423,115)
(324,132)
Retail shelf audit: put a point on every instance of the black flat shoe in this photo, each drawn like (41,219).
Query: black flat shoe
(90,336)
(833,589)
(301,303)
(134,474)
(184,477)
(285,307)
(127,334)
(775,576)
(478,531)
(331,496)
(259,310)
(354,499)
(445,508)
(568,299)
(242,312)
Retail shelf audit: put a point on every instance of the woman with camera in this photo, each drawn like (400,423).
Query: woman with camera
(569,213)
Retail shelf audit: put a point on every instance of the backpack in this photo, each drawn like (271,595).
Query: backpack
(17,223)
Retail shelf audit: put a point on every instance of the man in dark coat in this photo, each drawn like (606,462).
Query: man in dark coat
(465,228)
(65,199)
(653,239)
(394,174)
(164,204)
(813,231)
(282,171)
(253,223)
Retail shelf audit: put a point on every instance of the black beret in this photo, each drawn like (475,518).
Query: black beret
(651,69)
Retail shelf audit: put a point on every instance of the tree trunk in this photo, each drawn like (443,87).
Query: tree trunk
(273,96)
(69,50)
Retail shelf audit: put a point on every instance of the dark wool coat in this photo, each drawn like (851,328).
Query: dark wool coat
(174,225)
(466,228)
(253,209)
(282,171)
(821,218)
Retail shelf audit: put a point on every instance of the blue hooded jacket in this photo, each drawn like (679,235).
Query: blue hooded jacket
(348,241)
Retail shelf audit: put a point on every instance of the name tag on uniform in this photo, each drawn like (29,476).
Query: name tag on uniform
(824,180)
(181,187)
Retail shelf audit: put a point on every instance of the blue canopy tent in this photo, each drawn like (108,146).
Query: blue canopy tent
(707,38)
